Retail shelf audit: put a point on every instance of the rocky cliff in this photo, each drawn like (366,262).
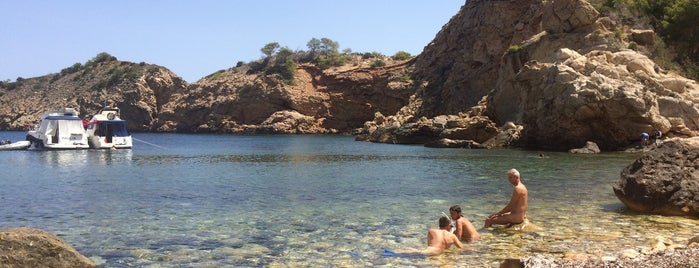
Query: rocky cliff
(237,100)
(556,69)
(529,73)
(335,100)
(140,90)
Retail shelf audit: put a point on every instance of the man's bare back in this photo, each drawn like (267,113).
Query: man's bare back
(516,210)
(464,228)
(438,240)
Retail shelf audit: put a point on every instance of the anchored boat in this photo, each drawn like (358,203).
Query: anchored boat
(59,129)
(107,130)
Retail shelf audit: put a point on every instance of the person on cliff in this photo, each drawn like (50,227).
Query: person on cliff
(516,210)
(658,137)
(645,139)
(438,240)
(464,228)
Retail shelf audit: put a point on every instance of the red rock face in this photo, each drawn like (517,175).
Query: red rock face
(322,101)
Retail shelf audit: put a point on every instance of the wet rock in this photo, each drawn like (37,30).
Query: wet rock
(664,180)
(589,148)
(667,258)
(449,143)
(28,247)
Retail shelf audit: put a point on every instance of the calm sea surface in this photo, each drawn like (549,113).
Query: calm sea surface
(178,200)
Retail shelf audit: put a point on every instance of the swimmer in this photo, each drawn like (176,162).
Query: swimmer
(516,210)
(464,228)
(438,240)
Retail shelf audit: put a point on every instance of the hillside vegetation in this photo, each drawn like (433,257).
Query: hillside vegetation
(675,21)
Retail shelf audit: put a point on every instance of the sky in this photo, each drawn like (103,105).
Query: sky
(195,38)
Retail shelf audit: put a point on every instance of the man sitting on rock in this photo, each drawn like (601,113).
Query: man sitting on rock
(516,211)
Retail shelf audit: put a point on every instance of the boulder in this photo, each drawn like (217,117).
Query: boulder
(589,148)
(643,37)
(28,247)
(664,180)
(449,143)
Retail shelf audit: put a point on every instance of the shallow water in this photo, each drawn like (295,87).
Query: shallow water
(223,200)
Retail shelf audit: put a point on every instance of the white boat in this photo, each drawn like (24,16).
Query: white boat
(18,145)
(106,130)
(59,129)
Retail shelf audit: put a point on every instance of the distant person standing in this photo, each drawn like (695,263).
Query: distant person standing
(658,136)
(644,139)
(464,228)
(516,210)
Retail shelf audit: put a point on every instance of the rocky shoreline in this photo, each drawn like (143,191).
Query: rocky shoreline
(681,257)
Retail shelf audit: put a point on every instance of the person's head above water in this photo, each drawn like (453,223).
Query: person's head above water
(444,222)
(455,209)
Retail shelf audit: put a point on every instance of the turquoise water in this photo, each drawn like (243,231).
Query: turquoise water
(178,200)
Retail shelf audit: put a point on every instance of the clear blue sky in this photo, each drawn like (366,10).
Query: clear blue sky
(194,38)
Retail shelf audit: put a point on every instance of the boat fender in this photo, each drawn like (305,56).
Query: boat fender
(93,142)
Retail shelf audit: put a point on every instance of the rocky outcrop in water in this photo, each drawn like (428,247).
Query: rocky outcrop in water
(664,180)
(27,247)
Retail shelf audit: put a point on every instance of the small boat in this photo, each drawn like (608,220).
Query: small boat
(58,130)
(18,145)
(106,130)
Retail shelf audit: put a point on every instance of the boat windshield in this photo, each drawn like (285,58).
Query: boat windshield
(112,128)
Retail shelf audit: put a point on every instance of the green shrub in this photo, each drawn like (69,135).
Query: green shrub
(633,45)
(72,69)
(513,48)
(331,60)
(401,55)
(101,57)
(378,63)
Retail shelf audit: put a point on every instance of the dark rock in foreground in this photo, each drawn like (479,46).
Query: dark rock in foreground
(27,247)
(664,180)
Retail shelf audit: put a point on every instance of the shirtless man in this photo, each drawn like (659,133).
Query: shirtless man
(438,240)
(464,228)
(516,211)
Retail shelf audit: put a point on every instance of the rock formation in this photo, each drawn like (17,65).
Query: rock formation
(140,90)
(664,180)
(27,247)
(528,73)
(319,101)
(554,68)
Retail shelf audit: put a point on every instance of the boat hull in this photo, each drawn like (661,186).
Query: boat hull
(19,145)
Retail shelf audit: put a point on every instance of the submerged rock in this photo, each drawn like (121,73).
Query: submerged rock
(664,180)
(28,247)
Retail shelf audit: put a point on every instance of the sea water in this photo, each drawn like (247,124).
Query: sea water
(184,200)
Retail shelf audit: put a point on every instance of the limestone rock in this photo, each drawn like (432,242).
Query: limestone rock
(553,67)
(567,16)
(643,37)
(28,247)
(589,148)
(664,180)
(449,143)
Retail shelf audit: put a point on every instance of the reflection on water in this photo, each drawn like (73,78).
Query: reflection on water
(313,201)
